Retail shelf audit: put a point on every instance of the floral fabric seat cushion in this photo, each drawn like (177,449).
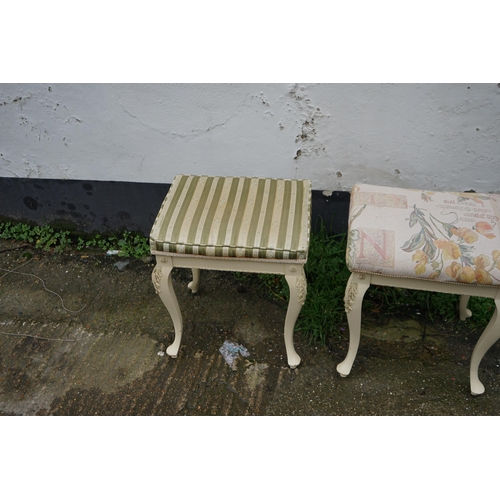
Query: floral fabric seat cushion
(441,236)
(234,217)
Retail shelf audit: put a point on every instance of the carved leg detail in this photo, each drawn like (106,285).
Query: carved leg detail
(162,280)
(464,312)
(194,285)
(297,283)
(355,291)
(490,335)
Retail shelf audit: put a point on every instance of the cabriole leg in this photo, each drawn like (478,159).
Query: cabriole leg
(297,283)
(194,285)
(490,335)
(162,280)
(353,299)
(464,312)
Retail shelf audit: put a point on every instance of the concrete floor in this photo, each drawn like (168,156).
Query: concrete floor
(105,359)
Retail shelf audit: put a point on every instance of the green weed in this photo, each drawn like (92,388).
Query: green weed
(42,237)
(48,238)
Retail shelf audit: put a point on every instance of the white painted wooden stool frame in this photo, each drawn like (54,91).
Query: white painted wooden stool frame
(422,240)
(233,224)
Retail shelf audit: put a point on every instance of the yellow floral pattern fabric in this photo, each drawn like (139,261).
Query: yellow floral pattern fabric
(442,236)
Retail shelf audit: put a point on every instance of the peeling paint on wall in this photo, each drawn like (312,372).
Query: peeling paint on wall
(311,116)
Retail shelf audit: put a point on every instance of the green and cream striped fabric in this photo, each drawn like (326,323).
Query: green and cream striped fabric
(234,217)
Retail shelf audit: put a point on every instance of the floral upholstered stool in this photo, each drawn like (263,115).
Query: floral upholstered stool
(233,224)
(438,241)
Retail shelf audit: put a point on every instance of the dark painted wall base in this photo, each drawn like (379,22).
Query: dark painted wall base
(106,206)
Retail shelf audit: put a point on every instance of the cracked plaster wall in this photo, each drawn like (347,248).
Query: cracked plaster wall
(429,136)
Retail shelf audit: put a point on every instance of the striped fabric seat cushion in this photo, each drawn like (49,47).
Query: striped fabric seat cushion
(234,217)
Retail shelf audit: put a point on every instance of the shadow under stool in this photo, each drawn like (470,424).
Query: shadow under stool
(243,224)
(424,240)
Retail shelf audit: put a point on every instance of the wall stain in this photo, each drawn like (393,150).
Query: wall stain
(18,99)
(30,202)
(311,115)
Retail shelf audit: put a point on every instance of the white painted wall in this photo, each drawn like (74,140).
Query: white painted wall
(432,136)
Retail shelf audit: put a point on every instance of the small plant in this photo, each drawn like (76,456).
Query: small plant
(18,232)
(44,237)
(130,245)
(48,238)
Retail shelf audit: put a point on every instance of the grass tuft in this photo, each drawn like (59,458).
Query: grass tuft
(323,312)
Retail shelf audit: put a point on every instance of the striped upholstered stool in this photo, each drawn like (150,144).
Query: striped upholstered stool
(233,224)
(423,240)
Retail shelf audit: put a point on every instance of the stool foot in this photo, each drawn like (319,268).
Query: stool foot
(293,360)
(344,368)
(173,349)
(464,312)
(195,284)
(478,389)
